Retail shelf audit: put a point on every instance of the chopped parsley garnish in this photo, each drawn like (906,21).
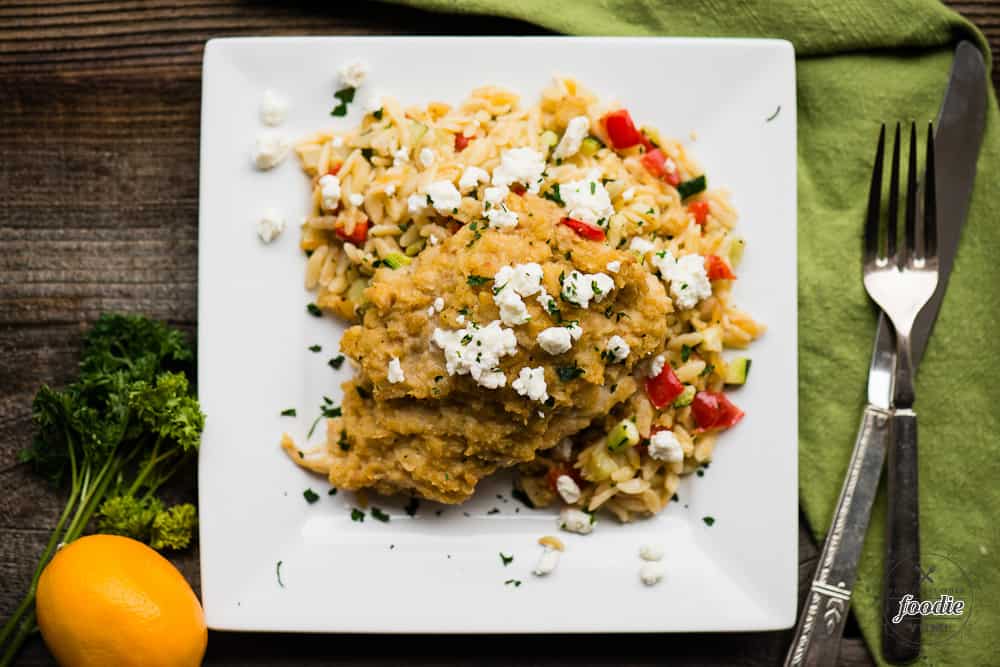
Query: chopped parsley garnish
(475,281)
(685,352)
(691,187)
(310,496)
(700,472)
(379,515)
(505,559)
(708,369)
(675,498)
(608,311)
(367,153)
(709,520)
(593,187)
(357,515)
(332,491)
(315,348)
(314,310)
(336,362)
(568,373)
(289,412)
(412,506)
(512,582)
(277,571)
(344,97)
(328,411)
(343,443)
(519,494)
(553,309)
(377,113)
(493,511)
(464,311)
(553,195)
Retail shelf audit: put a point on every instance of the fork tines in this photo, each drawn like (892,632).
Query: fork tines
(919,231)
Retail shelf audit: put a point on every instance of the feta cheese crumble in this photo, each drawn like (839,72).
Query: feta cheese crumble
(547,562)
(525,279)
(416,204)
(337,142)
(688,279)
(520,165)
(641,246)
(472,177)
(628,195)
(389,189)
(496,211)
(476,351)
(444,196)
(426,156)
(572,138)
(395,374)
(617,349)
(651,552)
(652,573)
(329,190)
(270,150)
(656,365)
(439,304)
(582,288)
(614,267)
(557,340)
(353,73)
(664,446)
(273,109)
(530,382)
(356,200)
(400,156)
(513,310)
(573,520)
(568,489)
(588,202)
(270,225)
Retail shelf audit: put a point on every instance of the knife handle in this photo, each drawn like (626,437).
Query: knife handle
(821,620)
(901,633)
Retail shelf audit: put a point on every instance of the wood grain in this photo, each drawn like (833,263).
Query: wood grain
(99,135)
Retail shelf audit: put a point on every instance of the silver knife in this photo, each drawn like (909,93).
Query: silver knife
(959,129)
(957,140)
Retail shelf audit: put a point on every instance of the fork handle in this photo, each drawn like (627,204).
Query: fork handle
(901,634)
(816,642)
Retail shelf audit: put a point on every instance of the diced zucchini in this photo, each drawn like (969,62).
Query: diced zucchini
(356,292)
(417,132)
(737,370)
(711,339)
(394,260)
(414,248)
(625,434)
(590,146)
(736,251)
(692,187)
(652,134)
(686,397)
(600,465)
(549,139)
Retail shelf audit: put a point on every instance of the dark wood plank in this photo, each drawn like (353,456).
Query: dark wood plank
(100,110)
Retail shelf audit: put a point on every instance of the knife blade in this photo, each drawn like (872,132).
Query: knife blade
(957,139)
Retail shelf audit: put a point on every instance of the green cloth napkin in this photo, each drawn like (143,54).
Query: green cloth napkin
(861,63)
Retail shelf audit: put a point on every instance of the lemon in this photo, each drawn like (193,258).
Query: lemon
(109,601)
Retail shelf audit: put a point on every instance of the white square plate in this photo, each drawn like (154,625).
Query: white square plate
(443,573)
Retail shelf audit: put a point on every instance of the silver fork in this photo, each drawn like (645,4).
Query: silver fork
(901,279)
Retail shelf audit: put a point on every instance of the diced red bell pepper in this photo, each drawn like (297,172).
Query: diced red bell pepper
(358,236)
(518,189)
(655,162)
(335,168)
(461,141)
(621,130)
(713,410)
(584,230)
(664,388)
(717,269)
(699,209)
(552,478)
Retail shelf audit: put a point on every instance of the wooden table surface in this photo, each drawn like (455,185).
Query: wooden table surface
(99,118)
